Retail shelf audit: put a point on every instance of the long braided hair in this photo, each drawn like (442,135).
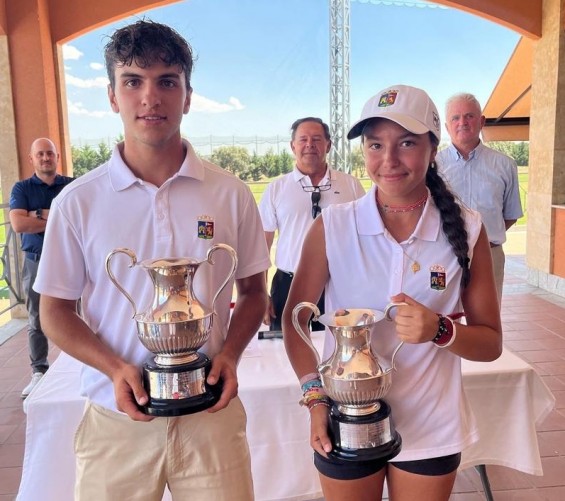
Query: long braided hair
(453,224)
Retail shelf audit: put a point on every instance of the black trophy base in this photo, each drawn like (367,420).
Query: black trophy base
(179,390)
(364,438)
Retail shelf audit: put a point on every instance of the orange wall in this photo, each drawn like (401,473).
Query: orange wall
(559,242)
(70,18)
(523,16)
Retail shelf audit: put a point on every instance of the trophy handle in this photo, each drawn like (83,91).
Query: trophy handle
(298,328)
(233,256)
(133,262)
(389,318)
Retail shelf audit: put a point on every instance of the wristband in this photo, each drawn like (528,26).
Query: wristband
(446,332)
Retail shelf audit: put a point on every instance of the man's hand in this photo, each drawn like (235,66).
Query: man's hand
(130,393)
(224,370)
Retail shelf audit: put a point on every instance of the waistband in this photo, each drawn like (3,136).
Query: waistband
(289,273)
(494,245)
(32,256)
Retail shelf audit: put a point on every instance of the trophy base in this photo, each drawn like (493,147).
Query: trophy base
(371,437)
(180,389)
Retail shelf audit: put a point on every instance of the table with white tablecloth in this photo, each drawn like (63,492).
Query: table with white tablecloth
(507,396)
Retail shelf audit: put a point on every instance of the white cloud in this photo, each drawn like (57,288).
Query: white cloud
(86,83)
(96,66)
(71,52)
(204,105)
(79,109)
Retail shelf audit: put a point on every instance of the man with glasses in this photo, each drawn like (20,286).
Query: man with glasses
(291,202)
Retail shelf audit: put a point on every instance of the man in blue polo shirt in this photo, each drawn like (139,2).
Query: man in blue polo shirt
(30,201)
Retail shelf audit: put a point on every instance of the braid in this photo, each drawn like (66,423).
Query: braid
(453,224)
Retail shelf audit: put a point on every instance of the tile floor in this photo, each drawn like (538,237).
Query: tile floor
(534,328)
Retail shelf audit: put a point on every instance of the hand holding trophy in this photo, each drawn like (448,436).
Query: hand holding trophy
(173,329)
(361,425)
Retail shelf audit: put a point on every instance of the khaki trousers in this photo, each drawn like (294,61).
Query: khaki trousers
(498,260)
(200,457)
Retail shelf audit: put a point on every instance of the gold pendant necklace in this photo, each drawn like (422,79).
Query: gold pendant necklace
(415,266)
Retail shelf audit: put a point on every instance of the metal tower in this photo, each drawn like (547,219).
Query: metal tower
(339,84)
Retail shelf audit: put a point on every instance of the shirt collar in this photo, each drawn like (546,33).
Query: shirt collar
(473,154)
(369,221)
(37,180)
(122,177)
(304,179)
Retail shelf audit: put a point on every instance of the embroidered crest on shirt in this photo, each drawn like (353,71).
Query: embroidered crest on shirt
(437,277)
(205,227)
(388,98)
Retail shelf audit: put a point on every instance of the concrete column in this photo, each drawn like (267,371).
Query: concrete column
(547,147)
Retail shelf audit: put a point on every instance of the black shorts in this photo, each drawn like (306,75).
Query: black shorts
(349,470)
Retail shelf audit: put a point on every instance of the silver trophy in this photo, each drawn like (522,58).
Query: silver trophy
(176,325)
(361,425)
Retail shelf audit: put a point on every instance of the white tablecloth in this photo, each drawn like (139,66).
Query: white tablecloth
(507,396)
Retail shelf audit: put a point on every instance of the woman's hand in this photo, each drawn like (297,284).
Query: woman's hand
(415,323)
(319,438)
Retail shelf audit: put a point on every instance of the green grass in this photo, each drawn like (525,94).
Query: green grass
(523,182)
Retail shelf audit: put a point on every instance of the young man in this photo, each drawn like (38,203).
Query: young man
(30,201)
(291,202)
(484,179)
(151,197)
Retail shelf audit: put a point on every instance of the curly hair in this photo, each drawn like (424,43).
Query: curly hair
(146,42)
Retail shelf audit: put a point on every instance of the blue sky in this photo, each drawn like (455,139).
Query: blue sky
(263,63)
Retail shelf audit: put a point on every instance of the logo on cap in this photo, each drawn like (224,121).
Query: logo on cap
(388,98)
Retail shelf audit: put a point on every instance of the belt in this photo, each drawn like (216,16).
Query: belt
(494,245)
(290,274)
(32,256)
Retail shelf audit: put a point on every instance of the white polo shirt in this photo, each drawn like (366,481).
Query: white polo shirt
(286,207)
(110,208)
(367,266)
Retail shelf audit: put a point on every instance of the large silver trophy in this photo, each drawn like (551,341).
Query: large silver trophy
(360,426)
(176,325)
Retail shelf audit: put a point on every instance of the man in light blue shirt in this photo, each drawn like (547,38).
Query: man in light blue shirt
(484,179)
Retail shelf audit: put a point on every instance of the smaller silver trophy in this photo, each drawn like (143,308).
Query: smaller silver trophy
(173,329)
(361,425)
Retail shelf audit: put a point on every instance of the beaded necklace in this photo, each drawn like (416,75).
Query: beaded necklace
(402,208)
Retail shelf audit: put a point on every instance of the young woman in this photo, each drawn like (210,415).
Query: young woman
(408,240)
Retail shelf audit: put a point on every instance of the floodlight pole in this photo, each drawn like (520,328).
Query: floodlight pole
(339,84)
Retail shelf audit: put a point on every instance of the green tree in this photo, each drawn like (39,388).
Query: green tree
(270,164)
(285,162)
(518,150)
(234,159)
(357,163)
(85,158)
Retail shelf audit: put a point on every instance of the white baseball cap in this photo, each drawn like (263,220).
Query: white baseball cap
(409,107)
